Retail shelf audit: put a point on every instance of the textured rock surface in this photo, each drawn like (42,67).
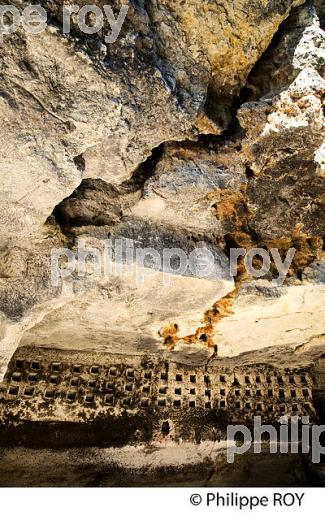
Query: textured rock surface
(202,125)
(127,467)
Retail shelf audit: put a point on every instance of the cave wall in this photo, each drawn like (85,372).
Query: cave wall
(202,124)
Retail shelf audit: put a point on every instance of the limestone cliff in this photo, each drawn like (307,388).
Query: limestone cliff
(202,124)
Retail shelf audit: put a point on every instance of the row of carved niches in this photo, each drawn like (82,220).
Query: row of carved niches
(40,383)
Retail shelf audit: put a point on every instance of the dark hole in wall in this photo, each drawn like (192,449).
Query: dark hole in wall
(29,391)
(165,428)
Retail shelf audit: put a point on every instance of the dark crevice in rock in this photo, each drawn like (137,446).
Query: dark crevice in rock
(249,172)
(218,109)
(275,70)
(97,203)
(92,203)
(222,112)
(80,162)
(320,8)
(145,171)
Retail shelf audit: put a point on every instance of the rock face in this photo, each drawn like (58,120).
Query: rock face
(90,118)
(62,99)
(200,129)
(83,387)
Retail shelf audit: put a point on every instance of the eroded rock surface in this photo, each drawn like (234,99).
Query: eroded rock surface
(202,126)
